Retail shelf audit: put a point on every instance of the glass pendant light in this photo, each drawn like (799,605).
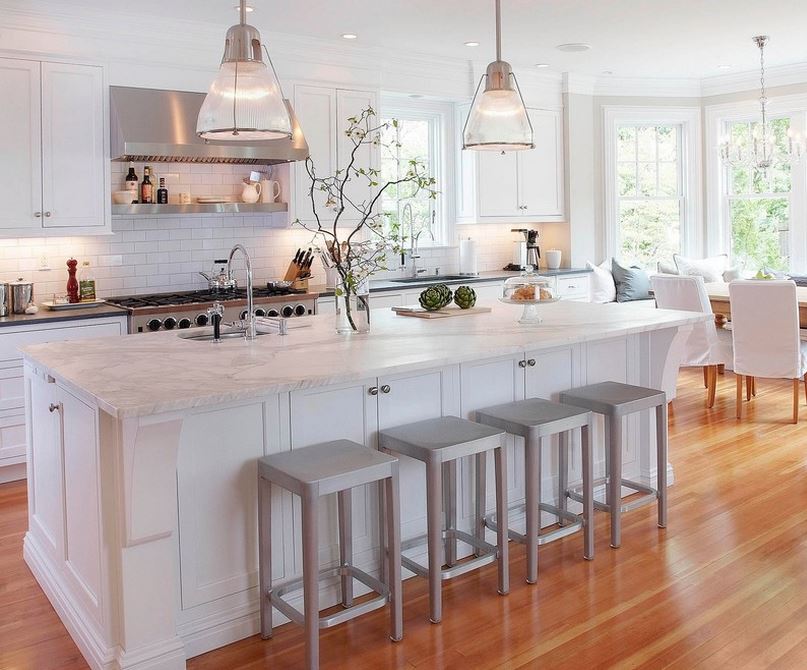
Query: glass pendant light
(245,101)
(498,119)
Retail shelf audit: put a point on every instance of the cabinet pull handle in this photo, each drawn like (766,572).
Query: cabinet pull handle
(385,388)
(373,390)
(522,364)
(55,407)
(38,215)
(531,362)
(47,214)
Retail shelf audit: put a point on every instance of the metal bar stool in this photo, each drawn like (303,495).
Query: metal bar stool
(439,443)
(312,472)
(533,420)
(613,401)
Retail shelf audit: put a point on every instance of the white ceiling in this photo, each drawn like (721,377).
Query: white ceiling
(631,38)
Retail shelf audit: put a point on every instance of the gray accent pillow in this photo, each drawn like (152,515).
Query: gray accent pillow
(631,283)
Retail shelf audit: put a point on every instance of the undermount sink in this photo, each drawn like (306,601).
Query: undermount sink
(428,279)
(206,334)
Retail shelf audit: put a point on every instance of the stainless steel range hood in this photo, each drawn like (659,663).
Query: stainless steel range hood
(160,126)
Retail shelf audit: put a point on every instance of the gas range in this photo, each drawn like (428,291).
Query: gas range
(188,309)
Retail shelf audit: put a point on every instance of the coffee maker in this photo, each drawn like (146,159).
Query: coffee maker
(526,252)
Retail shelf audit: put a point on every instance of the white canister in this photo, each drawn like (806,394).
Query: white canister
(270,190)
(553,257)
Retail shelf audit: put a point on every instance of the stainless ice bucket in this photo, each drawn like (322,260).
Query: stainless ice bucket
(22,295)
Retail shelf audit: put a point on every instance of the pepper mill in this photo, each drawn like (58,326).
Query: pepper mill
(72,282)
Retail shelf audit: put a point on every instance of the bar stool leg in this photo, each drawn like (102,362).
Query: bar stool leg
(563,472)
(500,460)
(311,576)
(532,493)
(606,423)
(615,481)
(481,501)
(393,524)
(588,492)
(383,546)
(434,518)
(661,466)
(345,513)
(265,544)
(450,508)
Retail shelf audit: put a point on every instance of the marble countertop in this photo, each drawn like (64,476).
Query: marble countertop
(143,374)
(51,316)
(382,285)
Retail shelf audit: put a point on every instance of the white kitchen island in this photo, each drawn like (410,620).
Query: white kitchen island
(142,452)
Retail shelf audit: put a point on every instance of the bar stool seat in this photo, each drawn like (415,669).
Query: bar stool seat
(312,472)
(614,400)
(439,443)
(534,419)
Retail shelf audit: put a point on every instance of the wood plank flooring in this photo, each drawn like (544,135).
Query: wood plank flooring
(724,586)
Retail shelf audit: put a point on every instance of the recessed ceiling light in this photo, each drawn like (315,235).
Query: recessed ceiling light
(415,95)
(349,36)
(608,72)
(573,47)
(471,44)
(248,8)
(542,65)
(724,67)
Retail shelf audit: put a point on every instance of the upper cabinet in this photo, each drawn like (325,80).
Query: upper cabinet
(517,186)
(54,133)
(323,112)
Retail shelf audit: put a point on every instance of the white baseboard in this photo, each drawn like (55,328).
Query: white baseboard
(12,473)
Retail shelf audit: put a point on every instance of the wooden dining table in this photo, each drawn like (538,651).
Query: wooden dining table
(719,298)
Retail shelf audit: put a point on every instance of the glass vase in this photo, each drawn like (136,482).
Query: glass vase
(352,311)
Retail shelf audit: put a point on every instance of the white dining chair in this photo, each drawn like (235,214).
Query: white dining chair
(767,343)
(707,346)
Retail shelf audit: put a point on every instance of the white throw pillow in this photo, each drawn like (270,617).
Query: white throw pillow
(667,268)
(731,274)
(603,288)
(711,269)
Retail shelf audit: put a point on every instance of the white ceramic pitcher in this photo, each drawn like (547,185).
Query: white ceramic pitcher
(270,190)
(251,192)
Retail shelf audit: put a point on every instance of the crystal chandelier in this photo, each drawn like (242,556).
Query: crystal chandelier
(762,152)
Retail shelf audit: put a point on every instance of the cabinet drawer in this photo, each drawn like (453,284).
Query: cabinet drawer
(12,435)
(572,286)
(12,390)
(10,342)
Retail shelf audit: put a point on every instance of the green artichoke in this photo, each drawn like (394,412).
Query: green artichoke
(431,299)
(445,292)
(465,297)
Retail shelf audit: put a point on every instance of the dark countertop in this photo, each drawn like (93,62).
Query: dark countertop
(382,285)
(51,316)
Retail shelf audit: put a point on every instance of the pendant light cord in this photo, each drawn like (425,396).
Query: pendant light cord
(498,30)
(243,12)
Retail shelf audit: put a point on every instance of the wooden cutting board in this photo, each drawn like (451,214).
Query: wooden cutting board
(446,312)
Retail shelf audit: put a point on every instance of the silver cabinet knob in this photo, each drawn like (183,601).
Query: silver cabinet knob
(385,388)
(531,362)
(47,214)
(38,215)
(373,390)
(522,364)
(54,407)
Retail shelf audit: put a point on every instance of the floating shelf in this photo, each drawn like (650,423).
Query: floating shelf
(197,208)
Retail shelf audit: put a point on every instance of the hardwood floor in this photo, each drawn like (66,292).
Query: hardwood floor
(724,586)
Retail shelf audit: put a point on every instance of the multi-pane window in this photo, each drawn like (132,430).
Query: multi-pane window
(650,199)
(759,203)
(416,138)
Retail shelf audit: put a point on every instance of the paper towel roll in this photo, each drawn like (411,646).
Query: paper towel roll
(468,264)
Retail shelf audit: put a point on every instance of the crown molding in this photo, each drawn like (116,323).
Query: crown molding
(779,75)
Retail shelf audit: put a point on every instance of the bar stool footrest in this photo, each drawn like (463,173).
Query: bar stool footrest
(650,495)
(276,597)
(573,525)
(486,554)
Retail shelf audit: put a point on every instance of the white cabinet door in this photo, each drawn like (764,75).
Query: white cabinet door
(351,104)
(74,157)
(315,107)
(386,300)
(497,183)
(21,141)
(540,170)
(12,438)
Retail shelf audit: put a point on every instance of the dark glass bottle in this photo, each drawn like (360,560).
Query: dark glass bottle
(146,187)
(162,193)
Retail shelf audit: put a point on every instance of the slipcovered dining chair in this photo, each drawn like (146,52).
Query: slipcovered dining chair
(707,346)
(767,343)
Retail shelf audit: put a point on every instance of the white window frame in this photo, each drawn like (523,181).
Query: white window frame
(688,119)
(718,212)
(441,114)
